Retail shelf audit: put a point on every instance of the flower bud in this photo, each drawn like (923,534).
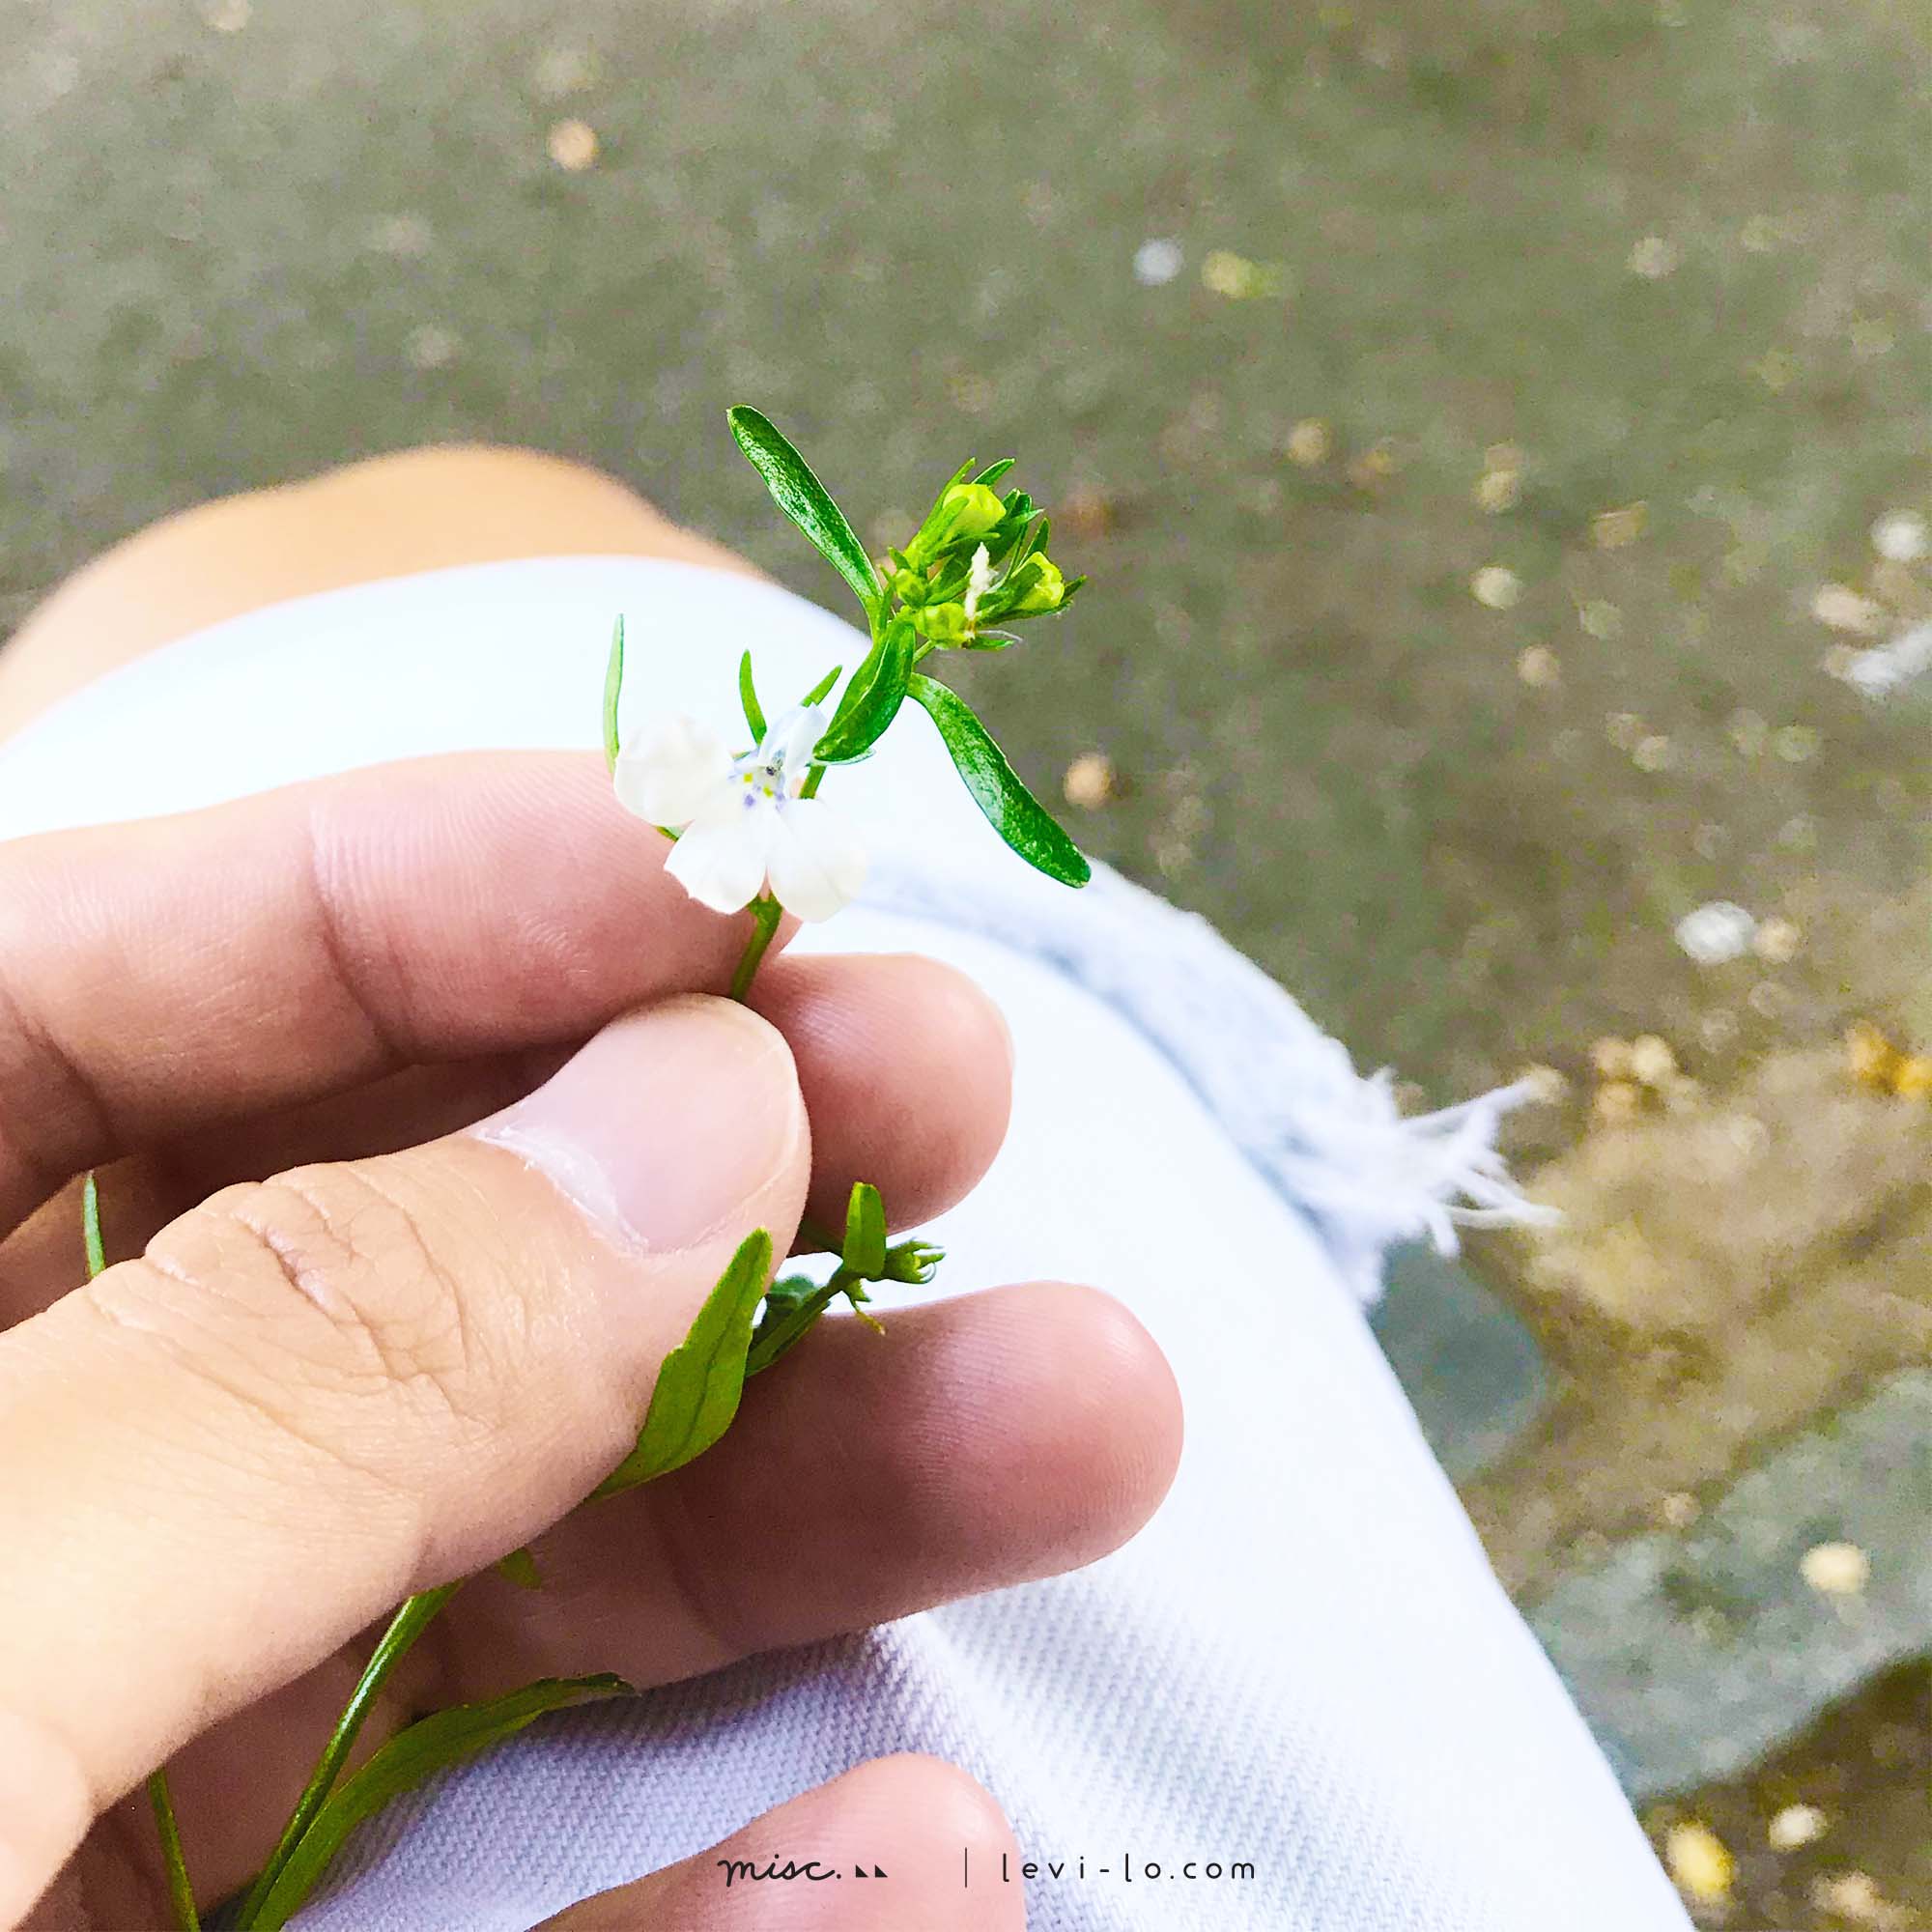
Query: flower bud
(942,623)
(970,510)
(1044,589)
(910,586)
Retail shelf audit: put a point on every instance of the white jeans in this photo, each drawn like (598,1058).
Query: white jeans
(1301,1673)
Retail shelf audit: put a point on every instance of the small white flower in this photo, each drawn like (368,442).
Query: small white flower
(742,824)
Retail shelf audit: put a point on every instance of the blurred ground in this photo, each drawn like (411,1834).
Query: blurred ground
(1459,485)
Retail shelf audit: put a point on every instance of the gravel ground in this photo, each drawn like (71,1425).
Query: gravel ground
(1475,420)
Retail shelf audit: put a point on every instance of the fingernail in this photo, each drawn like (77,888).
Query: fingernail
(664,1124)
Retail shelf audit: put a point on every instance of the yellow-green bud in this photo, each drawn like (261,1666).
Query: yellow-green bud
(1045,587)
(910,586)
(942,623)
(975,510)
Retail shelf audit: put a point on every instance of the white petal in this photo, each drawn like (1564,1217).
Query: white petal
(816,860)
(720,860)
(668,773)
(792,737)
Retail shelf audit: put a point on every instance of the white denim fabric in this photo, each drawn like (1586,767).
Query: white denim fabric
(1303,1662)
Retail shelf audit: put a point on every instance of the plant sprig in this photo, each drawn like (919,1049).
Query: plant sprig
(976,561)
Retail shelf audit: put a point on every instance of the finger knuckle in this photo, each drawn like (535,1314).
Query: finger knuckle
(336,1289)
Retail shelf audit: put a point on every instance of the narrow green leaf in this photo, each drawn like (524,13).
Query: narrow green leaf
(804,500)
(993,471)
(788,1325)
(613,687)
(872,698)
(864,1252)
(520,1567)
(702,1377)
(1011,811)
(412,1617)
(90,1225)
(411,1757)
(181,1892)
(747,697)
(819,690)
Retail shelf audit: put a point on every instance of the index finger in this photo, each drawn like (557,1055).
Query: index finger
(182,970)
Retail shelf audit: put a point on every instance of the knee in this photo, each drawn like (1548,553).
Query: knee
(478,473)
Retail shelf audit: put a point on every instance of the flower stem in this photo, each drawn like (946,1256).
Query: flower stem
(181,1894)
(765,914)
(405,1627)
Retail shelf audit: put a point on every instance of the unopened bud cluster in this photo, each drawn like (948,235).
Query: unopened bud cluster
(977,562)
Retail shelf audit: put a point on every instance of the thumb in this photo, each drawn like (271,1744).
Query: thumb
(317,1394)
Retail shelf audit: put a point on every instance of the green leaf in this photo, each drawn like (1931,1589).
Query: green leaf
(872,698)
(864,1251)
(411,1757)
(747,697)
(1011,811)
(804,498)
(614,686)
(89,1226)
(520,1567)
(702,1377)
(818,691)
(787,1324)
(993,471)
(412,1617)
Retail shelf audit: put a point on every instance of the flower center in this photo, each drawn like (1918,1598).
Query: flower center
(762,773)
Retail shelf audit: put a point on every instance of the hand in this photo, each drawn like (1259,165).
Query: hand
(421,1346)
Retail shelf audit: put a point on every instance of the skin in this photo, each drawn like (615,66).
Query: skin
(355,1349)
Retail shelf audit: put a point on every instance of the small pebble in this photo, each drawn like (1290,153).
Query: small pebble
(1600,619)
(1901,536)
(1546,1085)
(1652,754)
(429,347)
(1796,1825)
(1500,490)
(1835,1568)
(1775,940)
(564,70)
(1653,258)
(1223,272)
(1851,1895)
(1794,744)
(1495,586)
(1717,931)
(1678,1510)
(1538,668)
(1618,529)
(573,146)
(1157,260)
(1617,1102)
(1651,1058)
(1912,1077)
(1869,1057)
(1612,1058)
(1698,1861)
(1089,783)
(1840,608)
(1310,443)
